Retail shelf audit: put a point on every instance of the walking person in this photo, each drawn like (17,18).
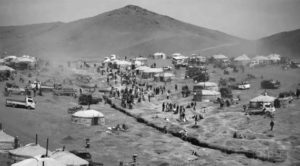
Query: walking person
(272,123)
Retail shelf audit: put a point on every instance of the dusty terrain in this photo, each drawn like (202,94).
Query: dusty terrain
(50,119)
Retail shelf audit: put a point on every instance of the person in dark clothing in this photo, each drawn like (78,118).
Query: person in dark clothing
(272,123)
(176,88)
(163,107)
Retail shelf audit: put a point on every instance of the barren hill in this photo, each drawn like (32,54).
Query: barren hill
(129,31)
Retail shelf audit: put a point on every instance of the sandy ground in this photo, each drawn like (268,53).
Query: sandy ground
(50,119)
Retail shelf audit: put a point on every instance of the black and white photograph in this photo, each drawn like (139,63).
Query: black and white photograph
(149,82)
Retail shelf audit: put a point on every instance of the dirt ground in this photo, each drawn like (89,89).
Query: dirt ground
(50,119)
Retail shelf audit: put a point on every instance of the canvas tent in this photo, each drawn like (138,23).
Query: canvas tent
(6,141)
(88,117)
(159,55)
(206,85)
(150,72)
(243,59)
(39,161)
(258,101)
(69,159)
(27,151)
(260,59)
(4,68)
(25,62)
(163,77)
(206,95)
(274,58)
(220,57)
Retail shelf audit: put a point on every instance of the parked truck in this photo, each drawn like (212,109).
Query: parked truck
(28,103)
(65,92)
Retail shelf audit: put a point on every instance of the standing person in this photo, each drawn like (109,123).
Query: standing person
(163,107)
(272,123)
(149,97)
(168,95)
(176,88)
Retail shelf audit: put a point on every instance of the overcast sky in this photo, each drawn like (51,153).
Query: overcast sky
(249,19)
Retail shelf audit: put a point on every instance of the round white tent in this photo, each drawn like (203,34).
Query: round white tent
(39,161)
(68,158)
(6,141)
(207,86)
(27,151)
(164,76)
(260,100)
(88,117)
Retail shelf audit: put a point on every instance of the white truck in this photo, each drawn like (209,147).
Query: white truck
(243,85)
(28,103)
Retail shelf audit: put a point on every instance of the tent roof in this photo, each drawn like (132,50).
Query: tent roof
(153,70)
(142,68)
(259,57)
(68,158)
(176,54)
(263,98)
(122,62)
(207,84)
(159,54)
(5,137)
(164,75)
(6,68)
(180,57)
(141,59)
(39,161)
(274,57)
(210,92)
(29,150)
(220,56)
(88,114)
(243,57)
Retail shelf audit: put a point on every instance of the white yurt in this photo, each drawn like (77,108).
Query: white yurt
(258,101)
(69,159)
(206,95)
(207,86)
(88,118)
(6,141)
(27,151)
(39,161)
(150,72)
(164,77)
(243,59)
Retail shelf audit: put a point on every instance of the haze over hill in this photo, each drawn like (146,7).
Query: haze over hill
(128,31)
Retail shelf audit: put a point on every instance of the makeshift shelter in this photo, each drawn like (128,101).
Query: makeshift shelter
(5,72)
(7,142)
(176,54)
(274,58)
(220,57)
(150,72)
(39,161)
(180,60)
(69,159)
(258,101)
(206,86)
(159,55)
(25,62)
(140,69)
(88,117)
(206,95)
(122,63)
(260,60)
(164,77)
(243,59)
(27,151)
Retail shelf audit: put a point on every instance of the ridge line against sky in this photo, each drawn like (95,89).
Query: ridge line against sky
(249,19)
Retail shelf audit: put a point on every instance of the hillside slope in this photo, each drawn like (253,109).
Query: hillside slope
(130,30)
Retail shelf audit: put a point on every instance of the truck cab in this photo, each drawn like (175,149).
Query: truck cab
(268,108)
(30,102)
